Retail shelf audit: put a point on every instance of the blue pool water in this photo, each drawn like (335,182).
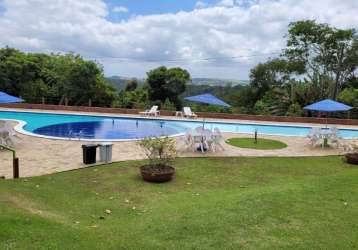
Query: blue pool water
(116,128)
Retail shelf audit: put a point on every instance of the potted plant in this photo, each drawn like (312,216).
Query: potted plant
(161,152)
(352,155)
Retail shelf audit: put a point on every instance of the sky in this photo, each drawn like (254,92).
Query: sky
(210,38)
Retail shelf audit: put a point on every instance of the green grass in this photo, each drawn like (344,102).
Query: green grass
(264,144)
(213,203)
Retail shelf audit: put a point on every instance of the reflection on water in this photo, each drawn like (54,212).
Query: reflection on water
(108,129)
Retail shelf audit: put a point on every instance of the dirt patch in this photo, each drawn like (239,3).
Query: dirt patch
(32,208)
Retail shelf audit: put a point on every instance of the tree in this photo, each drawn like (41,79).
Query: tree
(56,77)
(137,98)
(330,55)
(349,96)
(167,84)
(131,85)
(271,74)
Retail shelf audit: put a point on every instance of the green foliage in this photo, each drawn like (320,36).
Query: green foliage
(138,98)
(294,110)
(261,108)
(274,102)
(243,100)
(318,62)
(167,84)
(55,77)
(328,53)
(160,151)
(349,96)
(131,85)
(198,107)
(168,105)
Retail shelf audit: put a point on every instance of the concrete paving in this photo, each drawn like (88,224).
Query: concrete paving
(39,156)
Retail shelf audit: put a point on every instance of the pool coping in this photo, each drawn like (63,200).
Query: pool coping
(19,127)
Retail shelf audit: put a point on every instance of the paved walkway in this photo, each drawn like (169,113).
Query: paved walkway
(40,156)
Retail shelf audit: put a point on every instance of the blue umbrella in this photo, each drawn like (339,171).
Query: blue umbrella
(328,105)
(6,98)
(207,99)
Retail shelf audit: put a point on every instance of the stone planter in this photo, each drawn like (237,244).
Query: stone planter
(157,173)
(352,158)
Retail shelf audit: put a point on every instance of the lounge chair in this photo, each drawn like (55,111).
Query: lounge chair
(188,113)
(153,111)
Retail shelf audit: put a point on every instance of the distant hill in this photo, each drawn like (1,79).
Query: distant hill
(218,82)
(120,82)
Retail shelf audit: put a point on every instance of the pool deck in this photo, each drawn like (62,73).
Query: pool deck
(41,156)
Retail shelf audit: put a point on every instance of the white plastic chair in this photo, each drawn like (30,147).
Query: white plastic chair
(314,136)
(217,139)
(199,139)
(7,134)
(208,139)
(188,139)
(199,130)
(335,137)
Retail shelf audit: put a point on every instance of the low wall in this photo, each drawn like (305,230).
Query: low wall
(171,113)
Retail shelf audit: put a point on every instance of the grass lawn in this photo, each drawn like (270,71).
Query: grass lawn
(261,143)
(213,203)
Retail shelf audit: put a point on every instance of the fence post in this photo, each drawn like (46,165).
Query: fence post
(89,103)
(66,101)
(43,100)
(15,161)
(16,168)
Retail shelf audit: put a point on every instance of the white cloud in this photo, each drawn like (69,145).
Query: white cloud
(226,3)
(120,9)
(245,30)
(201,4)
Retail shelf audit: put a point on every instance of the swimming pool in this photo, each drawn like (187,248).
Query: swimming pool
(89,127)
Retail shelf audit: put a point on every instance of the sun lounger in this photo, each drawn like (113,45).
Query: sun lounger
(188,113)
(153,111)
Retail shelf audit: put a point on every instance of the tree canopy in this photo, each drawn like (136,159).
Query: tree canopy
(54,77)
(318,62)
(167,84)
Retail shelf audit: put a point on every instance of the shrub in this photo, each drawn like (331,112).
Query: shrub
(294,110)
(159,150)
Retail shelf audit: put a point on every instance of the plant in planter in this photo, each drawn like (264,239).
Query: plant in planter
(161,152)
(352,154)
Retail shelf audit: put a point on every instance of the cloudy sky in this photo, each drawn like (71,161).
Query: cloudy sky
(210,38)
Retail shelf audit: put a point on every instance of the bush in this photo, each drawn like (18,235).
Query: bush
(159,150)
(168,105)
(294,110)
(261,108)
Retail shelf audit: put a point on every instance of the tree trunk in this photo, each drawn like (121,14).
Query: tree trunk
(338,73)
